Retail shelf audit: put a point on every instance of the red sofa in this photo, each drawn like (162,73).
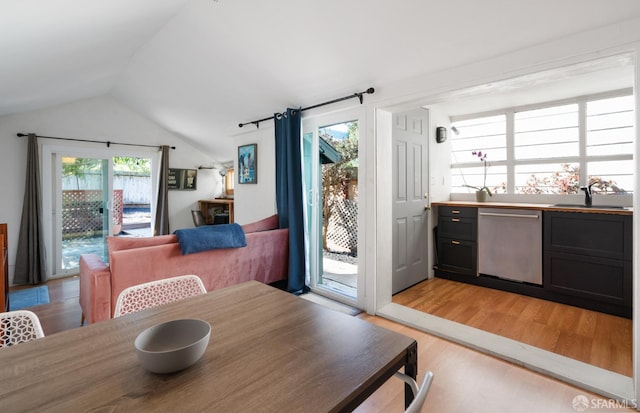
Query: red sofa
(134,261)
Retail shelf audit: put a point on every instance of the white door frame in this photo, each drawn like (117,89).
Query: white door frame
(311,124)
(50,178)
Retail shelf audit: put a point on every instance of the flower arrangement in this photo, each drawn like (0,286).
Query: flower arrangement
(483,158)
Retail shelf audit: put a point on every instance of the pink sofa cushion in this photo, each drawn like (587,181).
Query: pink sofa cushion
(265,224)
(127,243)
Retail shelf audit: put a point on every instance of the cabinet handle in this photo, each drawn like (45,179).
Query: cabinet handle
(455,211)
(492,214)
(455,219)
(455,242)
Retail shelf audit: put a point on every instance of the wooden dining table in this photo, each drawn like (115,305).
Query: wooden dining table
(270,351)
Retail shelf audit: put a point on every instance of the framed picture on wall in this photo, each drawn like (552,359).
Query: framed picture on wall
(248,164)
(174,179)
(190,179)
(182,179)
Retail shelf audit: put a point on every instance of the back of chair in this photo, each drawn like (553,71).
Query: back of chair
(155,293)
(419,393)
(19,326)
(198,218)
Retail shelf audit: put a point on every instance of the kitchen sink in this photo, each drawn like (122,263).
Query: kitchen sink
(593,206)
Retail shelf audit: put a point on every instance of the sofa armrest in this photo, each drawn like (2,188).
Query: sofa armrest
(95,288)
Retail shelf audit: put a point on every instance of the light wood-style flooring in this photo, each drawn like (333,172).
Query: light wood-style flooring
(465,380)
(599,339)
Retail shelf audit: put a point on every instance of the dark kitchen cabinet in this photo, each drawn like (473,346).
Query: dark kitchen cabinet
(457,243)
(589,256)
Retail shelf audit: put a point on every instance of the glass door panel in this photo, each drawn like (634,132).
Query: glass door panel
(97,197)
(84,217)
(331,179)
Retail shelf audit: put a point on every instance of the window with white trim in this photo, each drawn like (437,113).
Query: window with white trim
(477,138)
(551,148)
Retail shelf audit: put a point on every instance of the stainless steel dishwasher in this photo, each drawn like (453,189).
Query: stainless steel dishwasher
(510,244)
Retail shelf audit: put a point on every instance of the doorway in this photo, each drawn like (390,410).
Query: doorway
(85,210)
(549,363)
(94,194)
(331,167)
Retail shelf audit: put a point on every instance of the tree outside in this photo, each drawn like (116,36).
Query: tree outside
(339,182)
(567,181)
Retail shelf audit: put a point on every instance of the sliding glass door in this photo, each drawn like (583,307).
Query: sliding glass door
(330,156)
(85,218)
(94,194)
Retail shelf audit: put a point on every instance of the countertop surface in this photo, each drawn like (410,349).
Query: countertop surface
(595,209)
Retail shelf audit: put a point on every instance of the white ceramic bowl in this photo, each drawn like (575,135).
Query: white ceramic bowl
(172,346)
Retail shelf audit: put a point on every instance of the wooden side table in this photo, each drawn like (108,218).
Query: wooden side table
(206,204)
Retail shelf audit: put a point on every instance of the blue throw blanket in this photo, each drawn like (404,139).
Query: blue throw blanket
(210,237)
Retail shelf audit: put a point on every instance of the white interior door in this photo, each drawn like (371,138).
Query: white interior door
(410,198)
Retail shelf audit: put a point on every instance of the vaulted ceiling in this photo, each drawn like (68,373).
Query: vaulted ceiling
(199,67)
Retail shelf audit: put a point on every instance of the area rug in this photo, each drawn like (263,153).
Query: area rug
(28,297)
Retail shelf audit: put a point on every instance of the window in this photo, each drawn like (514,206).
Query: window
(610,126)
(487,134)
(549,149)
(546,133)
(228,182)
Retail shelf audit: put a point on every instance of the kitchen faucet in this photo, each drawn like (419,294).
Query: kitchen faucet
(588,194)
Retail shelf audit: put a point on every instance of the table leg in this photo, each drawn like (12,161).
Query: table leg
(410,369)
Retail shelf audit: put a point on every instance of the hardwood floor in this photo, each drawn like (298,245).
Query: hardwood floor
(63,311)
(469,381)
(598,339)
(465,380)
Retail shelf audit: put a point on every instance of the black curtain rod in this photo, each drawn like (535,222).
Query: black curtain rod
(108,143)
(358,95)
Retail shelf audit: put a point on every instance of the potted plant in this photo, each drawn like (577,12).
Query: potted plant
(481,192)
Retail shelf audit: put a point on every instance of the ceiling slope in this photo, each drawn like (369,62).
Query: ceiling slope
(59,51)
(200,67)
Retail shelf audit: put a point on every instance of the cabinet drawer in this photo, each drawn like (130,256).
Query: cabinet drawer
(450,211)
(458,255)
(594,278)
(595,235)
(458,228)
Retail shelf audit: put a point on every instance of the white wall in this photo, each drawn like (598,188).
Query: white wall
(439,157)
(257,201)
(97,119)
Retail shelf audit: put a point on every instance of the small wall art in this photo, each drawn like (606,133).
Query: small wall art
(182,179)
(248,164)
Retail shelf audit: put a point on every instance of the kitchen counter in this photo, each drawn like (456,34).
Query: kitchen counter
(595,209)
(586,254)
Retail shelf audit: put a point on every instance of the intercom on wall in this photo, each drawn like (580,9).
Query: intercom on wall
(441,134)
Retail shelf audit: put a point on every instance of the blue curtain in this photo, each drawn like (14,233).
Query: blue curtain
(289,199)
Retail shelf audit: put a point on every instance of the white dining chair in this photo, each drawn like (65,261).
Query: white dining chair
(419,393)
(19,326)
(154,293)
